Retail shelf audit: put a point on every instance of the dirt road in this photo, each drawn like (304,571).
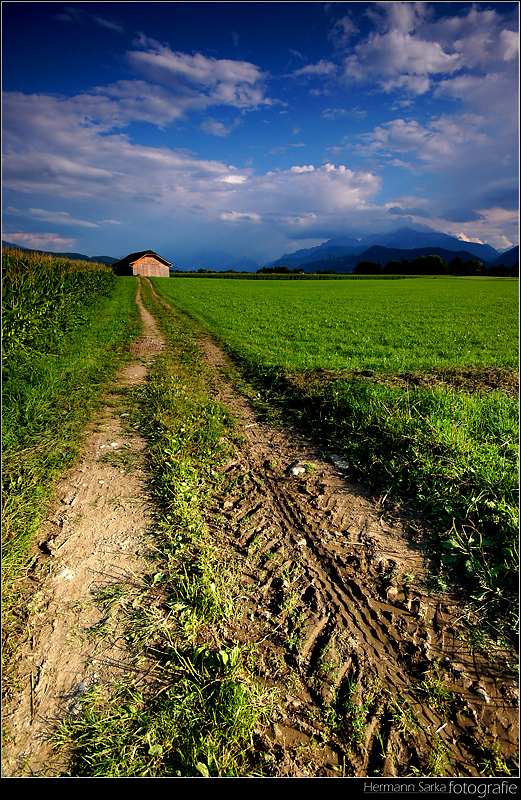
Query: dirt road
(374,675)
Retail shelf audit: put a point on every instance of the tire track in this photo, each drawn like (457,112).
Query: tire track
(356,612)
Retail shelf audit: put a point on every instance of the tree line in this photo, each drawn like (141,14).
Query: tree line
(434,265)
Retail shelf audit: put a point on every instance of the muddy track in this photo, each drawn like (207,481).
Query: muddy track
(335,603)
(341,577)
(96,534)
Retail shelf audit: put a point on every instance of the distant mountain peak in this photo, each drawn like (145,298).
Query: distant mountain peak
(411,237)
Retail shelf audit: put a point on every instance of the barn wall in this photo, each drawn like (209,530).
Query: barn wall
(150,267)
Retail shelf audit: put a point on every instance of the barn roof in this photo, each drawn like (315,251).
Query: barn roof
(130,259)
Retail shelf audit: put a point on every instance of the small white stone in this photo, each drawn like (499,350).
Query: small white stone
(64,572)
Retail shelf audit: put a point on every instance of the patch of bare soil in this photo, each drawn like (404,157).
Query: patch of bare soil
(340,577)
(468,379)
(94,536)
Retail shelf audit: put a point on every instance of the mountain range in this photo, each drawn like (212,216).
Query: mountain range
(342,253)
(384,247)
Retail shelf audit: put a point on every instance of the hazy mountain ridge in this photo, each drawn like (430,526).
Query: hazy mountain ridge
(508,257)
(382,255)
(340,254)
(402,239)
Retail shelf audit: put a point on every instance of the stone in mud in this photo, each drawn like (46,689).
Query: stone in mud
(296,469)
(64,572)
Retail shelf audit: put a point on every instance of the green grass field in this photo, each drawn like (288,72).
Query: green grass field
(448,448)
(395,325)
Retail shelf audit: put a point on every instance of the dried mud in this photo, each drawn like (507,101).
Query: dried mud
(336,607)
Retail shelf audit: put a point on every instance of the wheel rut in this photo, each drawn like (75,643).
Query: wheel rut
(341,579)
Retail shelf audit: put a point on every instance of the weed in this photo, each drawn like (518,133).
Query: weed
(492,761)
(437,695)
(402,716)
(439,762)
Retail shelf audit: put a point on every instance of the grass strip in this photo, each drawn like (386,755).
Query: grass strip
(198,715)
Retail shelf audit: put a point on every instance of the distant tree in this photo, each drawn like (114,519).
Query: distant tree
(280,270)
(456,266)
(472,267)
(428,265)
(367,268)
(435,265)
(501,271)
(392,268)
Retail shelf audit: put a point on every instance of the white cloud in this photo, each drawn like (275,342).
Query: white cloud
(235,179)
(438,142)
(60,217)
(42,241)
(216,128)
(168,86)
(409,50)
(322,68)
(243,216)
(198,81)
(107,23)
(51,151)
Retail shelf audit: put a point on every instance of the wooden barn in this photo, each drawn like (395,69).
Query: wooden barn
(146,263)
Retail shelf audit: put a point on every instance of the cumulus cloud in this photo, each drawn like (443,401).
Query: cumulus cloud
(198,81)
(78,150)
(409,50)
(438,142)
(51,150)
(166,88)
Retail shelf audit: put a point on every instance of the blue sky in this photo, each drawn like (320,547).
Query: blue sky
(256,129)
